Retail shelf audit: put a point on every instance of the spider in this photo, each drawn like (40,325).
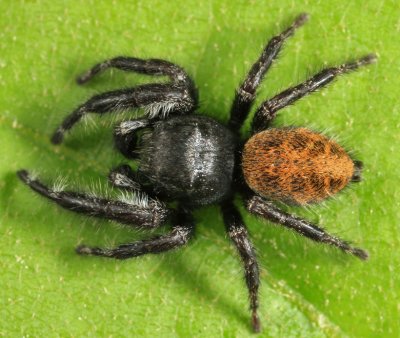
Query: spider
(193,160)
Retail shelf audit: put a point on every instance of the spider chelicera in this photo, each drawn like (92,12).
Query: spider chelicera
(195,161)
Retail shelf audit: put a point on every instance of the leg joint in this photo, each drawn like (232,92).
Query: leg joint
(182,234)
(245,95)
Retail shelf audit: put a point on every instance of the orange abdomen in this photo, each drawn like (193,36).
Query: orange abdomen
(295,165)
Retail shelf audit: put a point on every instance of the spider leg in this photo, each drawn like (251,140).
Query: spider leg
(260,207)
(141,211)
(237,232)
(245,95)
(125,136)
(180,234)
(158,100)
(267,111)
(149,67)
(124,177)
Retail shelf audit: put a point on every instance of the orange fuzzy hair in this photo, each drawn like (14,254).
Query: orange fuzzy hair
(295,165)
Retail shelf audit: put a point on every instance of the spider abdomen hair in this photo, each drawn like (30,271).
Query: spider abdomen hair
(296,165)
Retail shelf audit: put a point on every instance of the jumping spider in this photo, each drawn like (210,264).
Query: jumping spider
(195,161)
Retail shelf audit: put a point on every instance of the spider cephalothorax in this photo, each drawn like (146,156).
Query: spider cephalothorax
(193,160)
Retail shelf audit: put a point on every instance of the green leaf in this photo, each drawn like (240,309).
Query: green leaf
(308,290)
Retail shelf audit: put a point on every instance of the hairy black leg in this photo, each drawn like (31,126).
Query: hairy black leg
(158,100)
(180,234)
(148,67)
(267,111)
(125,136)
(124,177)
(140,211)
(258,206)
(237,232)
(246,93)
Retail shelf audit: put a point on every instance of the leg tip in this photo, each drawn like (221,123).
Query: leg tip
(255,322)
(90,251)
(57,137)
(369,59)
(82,79)
(360,253)
(24,176)
(83,250)
(302,19)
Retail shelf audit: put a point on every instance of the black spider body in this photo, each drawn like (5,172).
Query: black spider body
(193,160)
(189,159)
